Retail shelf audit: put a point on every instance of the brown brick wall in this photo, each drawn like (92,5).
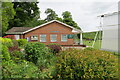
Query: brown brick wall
(48,29)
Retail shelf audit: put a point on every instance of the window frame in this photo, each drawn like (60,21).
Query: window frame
(17,37)
(62,38)
(33,39)
(44,38)
(51,38)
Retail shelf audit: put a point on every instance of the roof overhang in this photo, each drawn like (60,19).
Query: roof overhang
(77,31)
(14,33)
(109,14)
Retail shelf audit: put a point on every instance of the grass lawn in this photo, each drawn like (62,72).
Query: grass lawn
(97,44)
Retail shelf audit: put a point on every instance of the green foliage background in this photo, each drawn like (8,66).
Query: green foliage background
(8,13)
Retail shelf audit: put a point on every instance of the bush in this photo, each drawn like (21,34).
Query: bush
(17,54)
(54,48)
(7,42)
(35,50)
(22,42)
(39,54)
(15,46)
(5,53)
(47,66)
(86,64)
(15,43)
(22,70)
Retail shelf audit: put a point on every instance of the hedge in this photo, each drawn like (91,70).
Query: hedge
(22,42)
(86,64)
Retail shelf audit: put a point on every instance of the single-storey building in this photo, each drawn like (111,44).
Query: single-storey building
(50,32)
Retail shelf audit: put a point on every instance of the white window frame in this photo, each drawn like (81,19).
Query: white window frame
(43,40)
(17,37)
(51,38)
(64,40)
(34,37)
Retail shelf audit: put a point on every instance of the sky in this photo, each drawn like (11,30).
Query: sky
(84,12)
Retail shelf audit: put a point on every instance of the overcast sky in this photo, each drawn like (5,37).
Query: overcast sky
(84,12)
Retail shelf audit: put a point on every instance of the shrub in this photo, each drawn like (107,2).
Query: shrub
(39,54)
(47,66)
(22,70)
(15,43)
(7,42)
(22,42)
(35,50)
(5,53)
(54,48)
(1,39)
(17,54)
(15,46)
(86,64)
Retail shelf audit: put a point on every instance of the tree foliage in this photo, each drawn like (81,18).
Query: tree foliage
(27,13)
(67,18)
(51,15)
(7,14)
(67,14)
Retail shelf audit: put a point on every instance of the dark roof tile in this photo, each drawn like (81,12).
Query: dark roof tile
(18,29)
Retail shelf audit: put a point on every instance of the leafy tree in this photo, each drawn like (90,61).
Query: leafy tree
(67,18)
(27,14)
(67,14)
(7,14)
(59,19)
(51,15)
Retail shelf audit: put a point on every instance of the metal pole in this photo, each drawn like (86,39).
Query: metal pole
(94,39)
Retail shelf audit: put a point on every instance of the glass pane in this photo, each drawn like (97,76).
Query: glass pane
(53,38)
(64,38)
(34,37)
(42,38)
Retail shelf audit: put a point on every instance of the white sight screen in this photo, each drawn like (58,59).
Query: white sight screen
(110,33)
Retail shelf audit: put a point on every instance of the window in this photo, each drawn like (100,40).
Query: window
(64,38)
(34,37)
(17,37)
(53,38)
(43,38)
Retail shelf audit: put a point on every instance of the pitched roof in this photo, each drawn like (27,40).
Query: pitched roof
(22,30)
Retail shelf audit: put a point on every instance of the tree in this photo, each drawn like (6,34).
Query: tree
(59,19)
(26,14)
(7,14)
(34,23)
(51,15)
(67,14)
(67,18)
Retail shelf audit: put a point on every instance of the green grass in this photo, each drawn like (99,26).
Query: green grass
(97,44)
